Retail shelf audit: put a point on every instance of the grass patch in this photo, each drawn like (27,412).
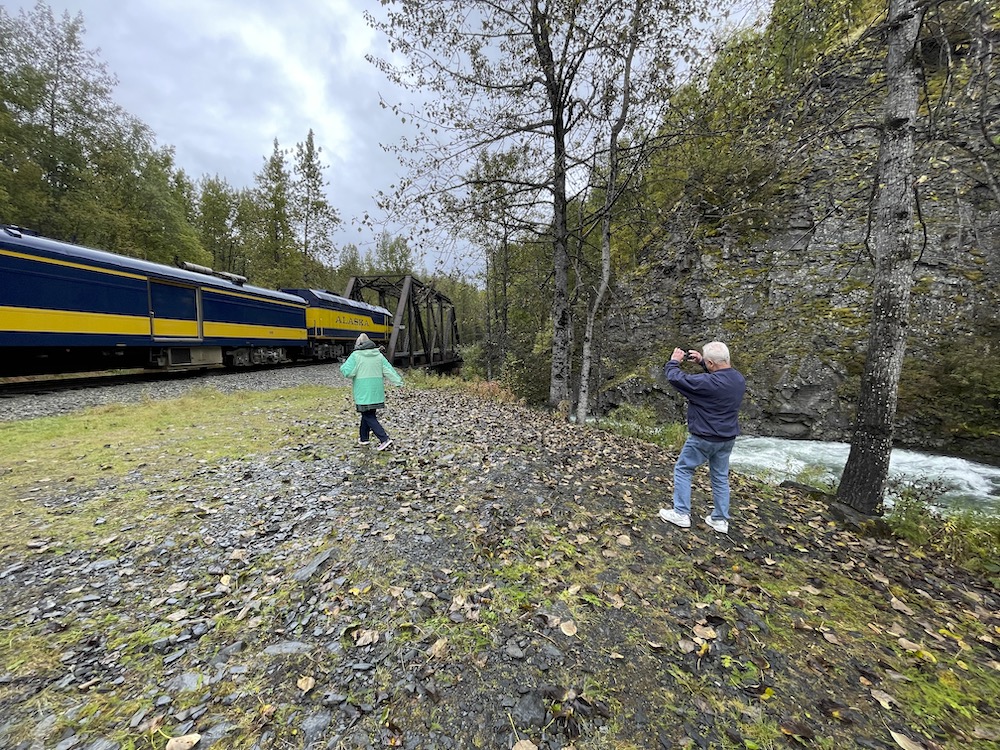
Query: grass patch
(97,448)
(642,423)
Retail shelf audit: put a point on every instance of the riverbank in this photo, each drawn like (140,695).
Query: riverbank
(234,565)
(959,484)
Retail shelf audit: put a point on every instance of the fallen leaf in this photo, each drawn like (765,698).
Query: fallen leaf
(306,683)
(899,606)
(183,743)
(625,540)
(365,637)
(524,745)
(884,698)
(568,627)
(797,730)
(437,651)
(704,631)
(905,742)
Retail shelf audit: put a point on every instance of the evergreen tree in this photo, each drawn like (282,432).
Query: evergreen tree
(392,256)
(315,218)
(216,222)
(276,262)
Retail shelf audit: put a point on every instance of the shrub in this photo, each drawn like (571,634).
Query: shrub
(968,539)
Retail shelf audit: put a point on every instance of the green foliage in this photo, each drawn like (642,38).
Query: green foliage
(954,383)
(393,256)
(968,539)
(801,31)
(641,422)
(74,165)
(474,366)
(527,376)
(313,217)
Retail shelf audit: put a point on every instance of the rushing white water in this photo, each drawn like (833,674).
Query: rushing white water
(966,484)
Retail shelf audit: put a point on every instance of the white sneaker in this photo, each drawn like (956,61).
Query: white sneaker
(677,519)
(722,526)
(383,446)
(364,442)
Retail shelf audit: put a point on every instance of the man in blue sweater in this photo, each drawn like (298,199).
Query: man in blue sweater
(714,399)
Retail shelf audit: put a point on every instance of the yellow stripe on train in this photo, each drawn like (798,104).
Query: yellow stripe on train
(243,331)
(253,297)
(318,318)
(31,320)
(187,329)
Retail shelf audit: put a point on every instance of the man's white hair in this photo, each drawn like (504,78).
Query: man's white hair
(717,352)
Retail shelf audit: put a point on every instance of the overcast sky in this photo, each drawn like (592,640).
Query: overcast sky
(219,80)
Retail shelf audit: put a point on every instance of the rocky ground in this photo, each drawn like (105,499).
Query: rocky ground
(497,580)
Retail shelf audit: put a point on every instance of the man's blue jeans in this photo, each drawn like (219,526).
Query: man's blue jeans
(697,451)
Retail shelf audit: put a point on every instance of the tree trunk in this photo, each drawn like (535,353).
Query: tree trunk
(610,196)
(583,403)
(862,485)
(561,321)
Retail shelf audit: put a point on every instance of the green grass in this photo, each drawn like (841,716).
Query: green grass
(96,449)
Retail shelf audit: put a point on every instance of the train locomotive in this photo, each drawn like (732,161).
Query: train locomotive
(66,308)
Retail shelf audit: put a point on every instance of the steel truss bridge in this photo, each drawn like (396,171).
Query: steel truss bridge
(424,327)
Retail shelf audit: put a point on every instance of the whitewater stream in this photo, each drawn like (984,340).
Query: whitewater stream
(965,484)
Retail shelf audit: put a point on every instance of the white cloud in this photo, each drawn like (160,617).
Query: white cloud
(219,80)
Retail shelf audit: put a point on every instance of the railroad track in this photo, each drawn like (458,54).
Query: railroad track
(43,384)
(39,385)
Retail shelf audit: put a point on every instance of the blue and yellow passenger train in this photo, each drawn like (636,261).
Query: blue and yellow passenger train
(67,308)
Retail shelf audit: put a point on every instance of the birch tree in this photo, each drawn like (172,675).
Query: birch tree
(522,77)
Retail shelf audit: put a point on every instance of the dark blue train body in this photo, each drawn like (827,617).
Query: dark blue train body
(66,308)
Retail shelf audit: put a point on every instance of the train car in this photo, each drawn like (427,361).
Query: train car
(334,322)
(66,308)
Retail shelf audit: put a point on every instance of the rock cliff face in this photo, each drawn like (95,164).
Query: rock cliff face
(794,307)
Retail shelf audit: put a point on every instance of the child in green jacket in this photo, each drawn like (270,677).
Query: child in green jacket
(367,368)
